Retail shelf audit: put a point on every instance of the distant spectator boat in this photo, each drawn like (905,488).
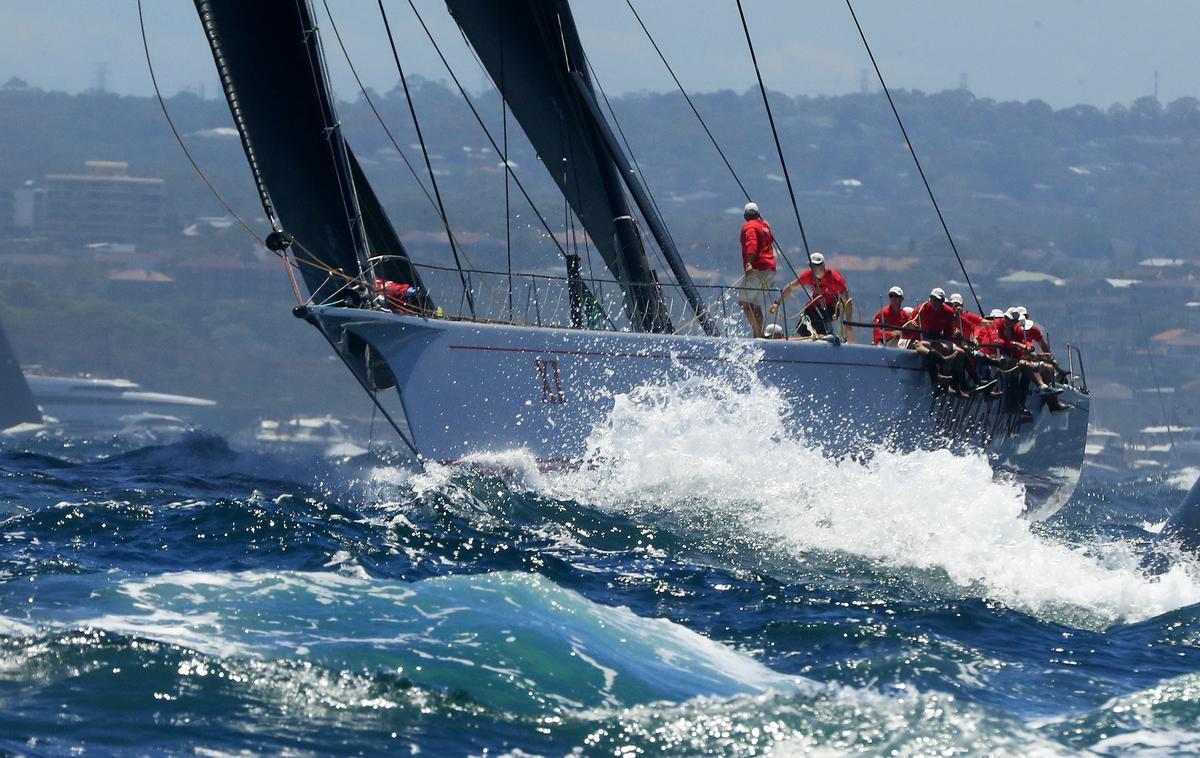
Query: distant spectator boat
(1105,451)
(326,434)
(1164,447)
(88,405)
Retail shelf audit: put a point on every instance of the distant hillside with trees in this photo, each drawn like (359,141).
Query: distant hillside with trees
(1077,193)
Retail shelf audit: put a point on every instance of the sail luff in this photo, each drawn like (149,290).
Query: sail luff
(540,54)
(333,135)
(272,70)
(658,230)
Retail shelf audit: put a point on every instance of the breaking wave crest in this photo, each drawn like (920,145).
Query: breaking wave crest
(715,455)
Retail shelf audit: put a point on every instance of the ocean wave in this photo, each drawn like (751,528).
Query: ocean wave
(513,641)
(717,457)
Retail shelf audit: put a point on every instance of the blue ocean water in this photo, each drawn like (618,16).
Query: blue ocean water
(698,593)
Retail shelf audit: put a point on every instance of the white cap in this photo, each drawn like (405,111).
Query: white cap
(938,292)
(956,298)
(1023,311)
(996,313)
(816,259)
(750,208)
(1012,314)
(896,291)
(773,331)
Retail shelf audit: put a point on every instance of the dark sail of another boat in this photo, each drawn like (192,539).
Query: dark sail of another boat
(540,378)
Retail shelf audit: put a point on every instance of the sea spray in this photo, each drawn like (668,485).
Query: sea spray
(720,453)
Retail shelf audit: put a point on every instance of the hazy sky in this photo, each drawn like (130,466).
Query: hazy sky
(1062,51)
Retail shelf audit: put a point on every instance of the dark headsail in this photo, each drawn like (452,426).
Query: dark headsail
(269,57)
(533,53)
(389,259)
(16,401)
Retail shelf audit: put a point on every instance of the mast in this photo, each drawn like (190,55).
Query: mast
(540,60)
(272,68)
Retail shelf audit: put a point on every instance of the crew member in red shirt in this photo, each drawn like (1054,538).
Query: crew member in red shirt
(968,322)
(893,314)
(934,318)
(758,267)
(1032,330)
(395,296)
(1014,345)
(985,333)
(937,322)
(1010,337)
(829,292)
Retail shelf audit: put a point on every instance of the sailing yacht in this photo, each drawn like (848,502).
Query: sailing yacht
(493,361)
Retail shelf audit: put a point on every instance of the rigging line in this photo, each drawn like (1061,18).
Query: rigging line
(392,139)
(686,97)
(711,137)
(774,132)
(179,138)
(1154,375)
(504,128)
(487,133)
(428,165)
(293,262)
(913,151)
(628,148)
(371,102)
(315,53)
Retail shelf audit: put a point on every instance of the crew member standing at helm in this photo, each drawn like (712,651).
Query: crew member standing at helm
(829,291)
(758,267)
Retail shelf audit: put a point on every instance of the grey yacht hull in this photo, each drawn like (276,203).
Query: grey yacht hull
(470,387)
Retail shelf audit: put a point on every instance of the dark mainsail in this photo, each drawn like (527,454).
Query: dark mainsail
(16,401)
(534,56)
(269,59)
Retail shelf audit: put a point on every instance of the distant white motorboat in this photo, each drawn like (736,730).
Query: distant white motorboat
(324,433)
(1104,450)
(1163,447)
(90,404)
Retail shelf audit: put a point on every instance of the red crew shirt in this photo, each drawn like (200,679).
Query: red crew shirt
(936,320)
(831,285)
(758,246)
(985,335)
(889,316)
(968,323)
(1034,334)
(1011,339)
(396,293)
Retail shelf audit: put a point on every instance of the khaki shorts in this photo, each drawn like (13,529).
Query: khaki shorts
(758,288)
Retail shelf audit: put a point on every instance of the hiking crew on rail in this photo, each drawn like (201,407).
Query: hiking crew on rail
(1001,355)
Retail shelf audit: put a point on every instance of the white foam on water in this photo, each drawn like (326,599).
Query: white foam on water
(717,454)
(1185,478)
(830,720)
